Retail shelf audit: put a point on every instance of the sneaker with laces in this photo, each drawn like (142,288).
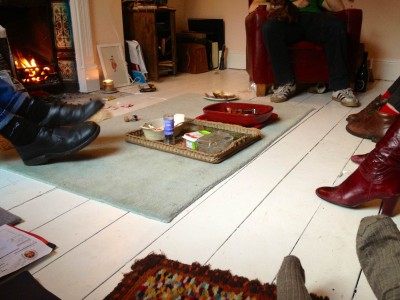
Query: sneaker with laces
(346,97)
(283,92)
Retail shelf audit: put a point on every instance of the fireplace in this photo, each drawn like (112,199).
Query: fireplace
(40,36)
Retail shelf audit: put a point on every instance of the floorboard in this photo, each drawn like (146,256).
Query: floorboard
(248,223)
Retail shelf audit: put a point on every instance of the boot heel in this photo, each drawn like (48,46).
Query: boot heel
(389,205)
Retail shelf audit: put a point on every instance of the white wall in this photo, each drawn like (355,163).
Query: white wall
(181,21)
(233,12)
(107,25)
(380,34)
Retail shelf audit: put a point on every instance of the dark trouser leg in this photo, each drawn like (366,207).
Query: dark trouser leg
(378,250)
(394,86)
(20,103)
(10,102)
(394,98)
(278,35)
(330,32)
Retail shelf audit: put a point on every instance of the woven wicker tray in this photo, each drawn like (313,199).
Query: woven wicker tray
(243,137)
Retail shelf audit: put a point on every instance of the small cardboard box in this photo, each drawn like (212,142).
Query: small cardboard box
(192,137)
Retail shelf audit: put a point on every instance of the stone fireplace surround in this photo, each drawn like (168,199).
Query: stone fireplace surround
(87,69)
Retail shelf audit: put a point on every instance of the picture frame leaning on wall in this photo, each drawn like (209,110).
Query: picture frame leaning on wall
(113,64)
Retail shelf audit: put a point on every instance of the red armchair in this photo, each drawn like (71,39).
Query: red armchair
(309,60)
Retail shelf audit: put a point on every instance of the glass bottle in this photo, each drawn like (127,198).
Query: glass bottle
(169,129)
(362,75)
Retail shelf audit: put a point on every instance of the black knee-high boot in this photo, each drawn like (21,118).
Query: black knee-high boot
(36,145)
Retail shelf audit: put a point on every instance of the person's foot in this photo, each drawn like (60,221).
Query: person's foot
(346,97)
(69,114)
(374,105)
(378,251)
(318,88)
(290,280)
(373,127)
(58,142)
(283,92)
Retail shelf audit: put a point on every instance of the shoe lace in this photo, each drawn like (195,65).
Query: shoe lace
(283,89)
(348,92)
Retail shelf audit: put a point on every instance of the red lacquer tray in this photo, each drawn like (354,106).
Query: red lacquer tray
(245,114)
(271,119)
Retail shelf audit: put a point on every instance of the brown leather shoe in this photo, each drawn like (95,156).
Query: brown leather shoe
(374,105)
(373,127)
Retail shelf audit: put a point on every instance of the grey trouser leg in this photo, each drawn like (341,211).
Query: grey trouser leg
(378,250)
(291,280)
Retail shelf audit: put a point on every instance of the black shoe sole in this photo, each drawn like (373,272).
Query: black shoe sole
(43,159)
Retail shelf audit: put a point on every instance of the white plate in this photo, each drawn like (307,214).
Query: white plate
(221,99)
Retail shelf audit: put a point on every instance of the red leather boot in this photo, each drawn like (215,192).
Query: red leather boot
(377,177)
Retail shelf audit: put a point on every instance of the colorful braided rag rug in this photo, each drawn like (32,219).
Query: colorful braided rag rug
(156,277)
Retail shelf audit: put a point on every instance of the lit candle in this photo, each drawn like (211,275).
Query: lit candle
(108,85)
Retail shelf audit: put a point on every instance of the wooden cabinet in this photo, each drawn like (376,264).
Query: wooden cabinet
(155,31)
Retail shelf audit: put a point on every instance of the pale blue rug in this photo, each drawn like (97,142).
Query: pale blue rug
(148,182)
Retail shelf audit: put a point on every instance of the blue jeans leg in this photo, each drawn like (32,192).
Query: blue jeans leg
(10,102)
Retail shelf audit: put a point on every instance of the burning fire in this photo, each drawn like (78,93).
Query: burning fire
(29,71)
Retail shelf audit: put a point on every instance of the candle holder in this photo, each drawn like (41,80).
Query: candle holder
(108,86)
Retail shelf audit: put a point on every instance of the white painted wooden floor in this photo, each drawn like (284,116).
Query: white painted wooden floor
(246,224)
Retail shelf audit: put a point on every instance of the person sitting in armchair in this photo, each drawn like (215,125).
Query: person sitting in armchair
(311,23)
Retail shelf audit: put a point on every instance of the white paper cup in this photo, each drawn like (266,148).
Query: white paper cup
(179,118)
